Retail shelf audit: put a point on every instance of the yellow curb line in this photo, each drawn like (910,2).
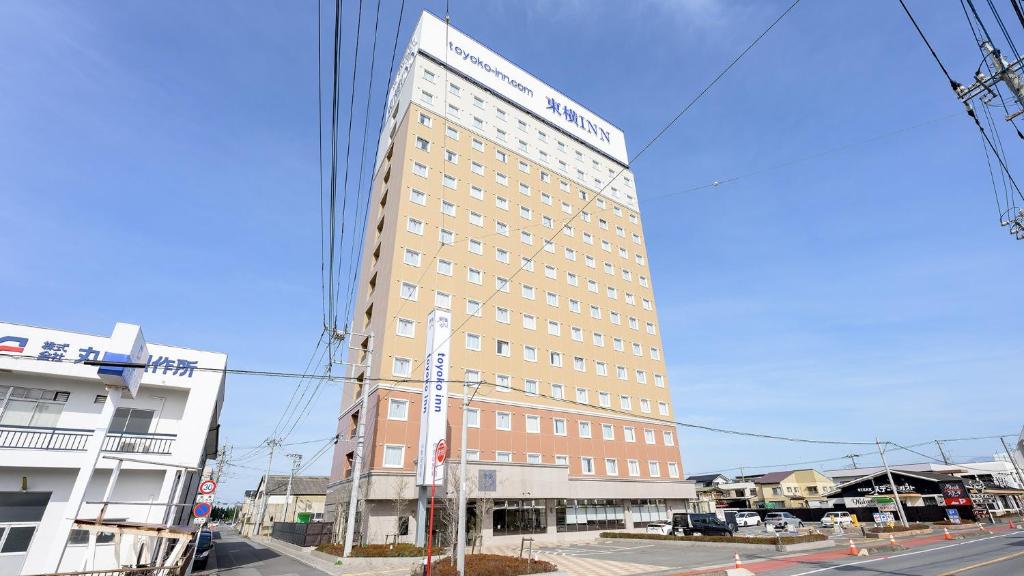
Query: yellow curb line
(985,563)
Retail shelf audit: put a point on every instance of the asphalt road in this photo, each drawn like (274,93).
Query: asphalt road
(996,555)
(236,556)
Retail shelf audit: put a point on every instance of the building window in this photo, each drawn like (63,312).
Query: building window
(663,408)
(409,291)
(503,456)
(532,424)
(503,420)
(36,407)
(611,467)
(629,433)
(586,464)
(634,467)
(394,455)
(673,470)
(444,267)
(559,426)
(529,353)
(419,169)
(417,197)
(669,438)
(533,458)
(645,405)
(415,226)
(473,417)
(425,120)
(558,392)
(398,409)
(502,382)
(530,387)
(443,300)
(412,257)
(625,402)
(406,327)
(607,432)
(654,468)
(472,342)
(583,396)
(649,436)
(401,367)
(584,429)
(604,399)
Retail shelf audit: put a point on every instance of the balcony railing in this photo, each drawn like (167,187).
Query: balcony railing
(75,440)
(139,443)
(31,437)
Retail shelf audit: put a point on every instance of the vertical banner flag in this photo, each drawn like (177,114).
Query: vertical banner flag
(434,409)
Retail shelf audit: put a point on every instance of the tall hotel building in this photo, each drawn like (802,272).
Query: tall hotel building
(501,200)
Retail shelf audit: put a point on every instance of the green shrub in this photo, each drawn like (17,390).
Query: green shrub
(375,550)
(732,539)
(493,565)
(899,528)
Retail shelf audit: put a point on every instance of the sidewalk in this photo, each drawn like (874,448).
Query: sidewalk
(341,566)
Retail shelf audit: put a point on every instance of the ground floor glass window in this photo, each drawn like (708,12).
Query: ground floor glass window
(512,517)
(584,515)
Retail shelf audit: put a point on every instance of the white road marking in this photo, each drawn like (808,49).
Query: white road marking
(826,569)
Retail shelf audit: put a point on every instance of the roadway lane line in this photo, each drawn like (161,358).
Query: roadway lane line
(983,564)
(827,568)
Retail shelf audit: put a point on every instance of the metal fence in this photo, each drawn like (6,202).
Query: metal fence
(311,534)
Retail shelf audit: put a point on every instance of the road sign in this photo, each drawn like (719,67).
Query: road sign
(954,515)
(199,520)
(441,452)
(207,487)
(201,510)
(208,498)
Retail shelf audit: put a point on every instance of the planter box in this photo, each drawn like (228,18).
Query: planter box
(758,547)
(899,534)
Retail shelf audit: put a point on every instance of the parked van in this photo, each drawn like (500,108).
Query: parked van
(689,524)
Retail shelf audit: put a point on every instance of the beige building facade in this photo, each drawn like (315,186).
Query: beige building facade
(510,205)
(793,489)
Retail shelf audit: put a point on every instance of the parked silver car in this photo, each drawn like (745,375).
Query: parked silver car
(782,520)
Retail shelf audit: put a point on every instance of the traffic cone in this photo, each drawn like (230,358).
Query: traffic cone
(739,563)
(946,535)
(892,539)
(853,548)
(1012,525)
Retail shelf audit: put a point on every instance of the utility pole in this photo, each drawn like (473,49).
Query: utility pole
(273,443)
(222,461)
(1013,461)
(853,460)
(892,483)
(357,460)
(296,460)
(460,543)
(945,459)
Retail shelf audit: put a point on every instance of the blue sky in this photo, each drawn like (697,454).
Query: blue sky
(159,166)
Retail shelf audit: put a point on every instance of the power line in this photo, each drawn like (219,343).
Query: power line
(635,157)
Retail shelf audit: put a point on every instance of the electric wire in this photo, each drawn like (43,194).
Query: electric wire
(693,101)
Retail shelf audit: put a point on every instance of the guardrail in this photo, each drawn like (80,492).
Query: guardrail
(76,439)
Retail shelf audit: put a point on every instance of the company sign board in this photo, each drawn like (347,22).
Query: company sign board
(434,406)
(127,346)
(859,502)
(486,67)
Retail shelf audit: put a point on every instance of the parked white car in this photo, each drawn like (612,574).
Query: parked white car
(748,519)
(830,519)
(664,528)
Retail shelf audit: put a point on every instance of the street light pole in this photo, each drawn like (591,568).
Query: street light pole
(892,484)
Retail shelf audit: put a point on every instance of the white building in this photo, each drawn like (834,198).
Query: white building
(51,405)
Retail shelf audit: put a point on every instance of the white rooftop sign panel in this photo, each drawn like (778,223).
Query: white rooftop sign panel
(472,59)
